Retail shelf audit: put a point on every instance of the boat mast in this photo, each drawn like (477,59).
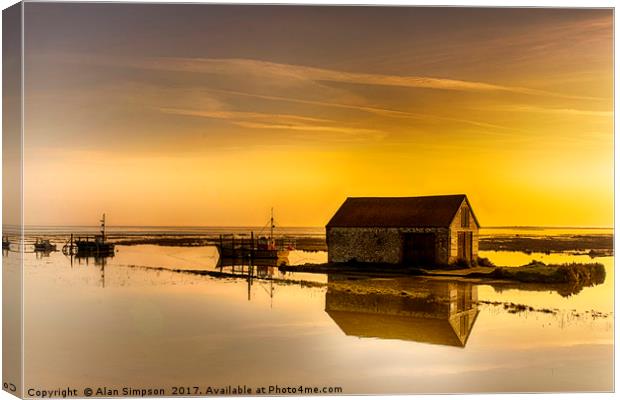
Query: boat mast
(272,225)
(103,228)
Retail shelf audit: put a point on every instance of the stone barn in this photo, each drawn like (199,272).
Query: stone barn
(417,231)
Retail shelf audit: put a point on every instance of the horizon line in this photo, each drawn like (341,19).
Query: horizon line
(299,226)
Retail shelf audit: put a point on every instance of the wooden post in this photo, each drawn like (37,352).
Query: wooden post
(103,228)
(252,245)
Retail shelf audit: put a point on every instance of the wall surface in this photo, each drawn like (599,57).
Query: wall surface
(378,245)
(455,228)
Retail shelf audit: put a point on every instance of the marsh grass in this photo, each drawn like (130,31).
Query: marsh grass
(593,245)
(537,272)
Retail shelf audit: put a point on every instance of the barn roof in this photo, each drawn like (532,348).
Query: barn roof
(415,329)
(398,212)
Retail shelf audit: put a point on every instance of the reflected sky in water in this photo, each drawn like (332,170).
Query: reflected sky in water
(130,323)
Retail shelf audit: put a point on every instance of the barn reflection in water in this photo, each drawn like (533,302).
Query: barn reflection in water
(432,312)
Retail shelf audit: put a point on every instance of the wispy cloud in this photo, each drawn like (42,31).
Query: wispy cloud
(213,88)
(311,128)
(385,112)
(228,115)
(281,73)
(545,110)
(254,120)
(245,67)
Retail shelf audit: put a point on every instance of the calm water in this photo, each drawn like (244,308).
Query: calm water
(134,322)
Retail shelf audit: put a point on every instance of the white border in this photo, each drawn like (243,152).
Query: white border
(472,3)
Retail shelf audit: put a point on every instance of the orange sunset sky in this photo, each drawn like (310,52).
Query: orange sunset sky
(211,114)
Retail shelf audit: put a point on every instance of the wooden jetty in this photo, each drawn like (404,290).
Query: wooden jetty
(95,246)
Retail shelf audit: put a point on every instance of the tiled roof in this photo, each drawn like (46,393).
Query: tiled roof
(397,212)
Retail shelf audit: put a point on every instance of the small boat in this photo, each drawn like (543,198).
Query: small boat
(94,246)
(261,248)
(44,245)
(281,246)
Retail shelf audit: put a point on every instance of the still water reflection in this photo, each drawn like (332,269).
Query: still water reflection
(427,312)
(131,320)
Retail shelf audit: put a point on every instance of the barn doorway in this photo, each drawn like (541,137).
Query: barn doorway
(465,246)
(419,249)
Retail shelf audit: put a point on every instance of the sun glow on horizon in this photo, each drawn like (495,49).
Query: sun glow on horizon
(513,107)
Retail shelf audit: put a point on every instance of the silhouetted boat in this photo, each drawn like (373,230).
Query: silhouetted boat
(44,245)
(261,248)
(86,247)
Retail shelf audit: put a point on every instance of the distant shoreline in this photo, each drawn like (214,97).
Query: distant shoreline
(236,227)
(593,245)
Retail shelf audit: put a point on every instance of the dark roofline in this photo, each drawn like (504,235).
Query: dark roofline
(353,207)
(406,197)
(471,209)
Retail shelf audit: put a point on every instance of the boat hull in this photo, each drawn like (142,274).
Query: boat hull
(94,248)
(45,247)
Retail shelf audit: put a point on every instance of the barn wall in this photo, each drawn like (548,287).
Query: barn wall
(456,227)
(378,245)
(374,245)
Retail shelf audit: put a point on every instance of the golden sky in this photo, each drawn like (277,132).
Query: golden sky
(211,114)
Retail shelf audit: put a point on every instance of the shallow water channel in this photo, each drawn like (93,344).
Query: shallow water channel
(133,322)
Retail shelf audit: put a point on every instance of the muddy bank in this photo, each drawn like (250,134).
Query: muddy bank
(183,241)
(566,279)
(352,269)
(538,272)
(229,275)
(420,288)
(593,245)
(301,243)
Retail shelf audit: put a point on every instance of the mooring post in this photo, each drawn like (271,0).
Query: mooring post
(252,245)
